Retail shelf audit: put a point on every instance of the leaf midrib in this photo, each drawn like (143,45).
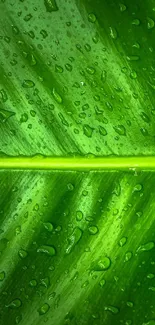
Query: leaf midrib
(80,163)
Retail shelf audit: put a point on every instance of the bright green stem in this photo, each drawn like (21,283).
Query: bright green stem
(114,163)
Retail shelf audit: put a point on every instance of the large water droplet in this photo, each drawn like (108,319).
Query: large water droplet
(56,96)
(113,32)
(93,230)
(79,215)
(102,264)
(122,241)
(114,310)
(87,130)
(43,309)
(46,249)
(92,18)
(146,247)
(48,226)
(120,129)
(50,5)
(28,84)
(150,23)
(74,239)
(4,115)
(16,303)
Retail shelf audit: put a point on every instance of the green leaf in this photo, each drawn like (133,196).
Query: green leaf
(77,162)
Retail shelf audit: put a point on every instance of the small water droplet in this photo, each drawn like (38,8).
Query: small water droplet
(150,276)
(87,130)
(104,76)
(102,283)
(2,276)
(33,283)
(113,33)
(122,7)
(93,230)
(120,129)
(128,256)
(145,117)
(46,249)
(129,304)
(150,23)
(43,309)
(56,96)
(122,241)
(22,253)
(138,187)
(48,226)
(136,22)
(102,131)
(28,84)
(92,17)
(50,5)
(133,58)
(114,310)
(79,215)
(58,69)
(133,74)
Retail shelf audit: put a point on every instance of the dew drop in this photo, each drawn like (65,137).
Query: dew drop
(113,33)
(16,303)
(146,247)
(122,241)
(114,310)
(120,129)
(46,249)
(74,239)
(93,230)
(56,96)
(92,18)
(28,84)
(87,130)
(50,5)
(150,23)
(43,309)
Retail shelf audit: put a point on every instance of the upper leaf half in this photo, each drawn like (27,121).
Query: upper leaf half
(77,77)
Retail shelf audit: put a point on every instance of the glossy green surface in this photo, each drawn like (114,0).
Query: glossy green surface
(77,248)
(77,82)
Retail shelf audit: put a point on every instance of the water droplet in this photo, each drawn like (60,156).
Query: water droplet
(52,295)
(138,187)
(102,283)
(129,304)
(133,74)
(3,95)
(150,23)
(102,264)
(113,33)
(109,106)
(58,69)
(122,7)
(146,247)
(74,239)
(114,310)
(90,70)
(56,96)
(24,118)
(87,130)
(104,76)
(128,256)
(28,84)
(145,117)
(45,282)
(150,322)
(136,22)
(5,115)
(92,18)
(150,276)
(102,130)
(144,132)
(28,17)
(22,253)
(2,276)
(16,303)
(43,309)
(18,319)
(122,241)
(93,230)
(85,284)
(50,5)
(152,289)
(133,58)
(48,226)
(79,215)
(33,283)
(120,129)
(46,249)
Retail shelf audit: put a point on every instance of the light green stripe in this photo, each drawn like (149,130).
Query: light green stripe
(145,163)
